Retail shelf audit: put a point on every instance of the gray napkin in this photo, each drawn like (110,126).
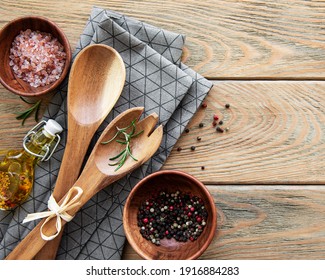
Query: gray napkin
(155,79)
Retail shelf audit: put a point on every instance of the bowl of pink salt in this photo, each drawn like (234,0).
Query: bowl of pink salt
(35,56)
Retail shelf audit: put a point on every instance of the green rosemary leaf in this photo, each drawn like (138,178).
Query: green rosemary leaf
(133,122)
(132,131)
(125,128)
(130,154)
(23,115)
(106,142)
(36,113)
(23,122)
(121,142)
(27,113)
(137,134)
(121,162)
(26,101)
(127,137)
(117,156)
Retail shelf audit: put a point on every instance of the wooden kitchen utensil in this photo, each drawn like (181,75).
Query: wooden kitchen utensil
(98,174)
(96,81)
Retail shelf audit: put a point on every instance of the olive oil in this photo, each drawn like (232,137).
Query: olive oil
(17,168)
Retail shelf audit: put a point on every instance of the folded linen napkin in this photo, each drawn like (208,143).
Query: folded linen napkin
(155,79)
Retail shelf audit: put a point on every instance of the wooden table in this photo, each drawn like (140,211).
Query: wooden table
(267,60)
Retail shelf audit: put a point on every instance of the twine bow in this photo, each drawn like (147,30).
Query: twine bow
(57,210)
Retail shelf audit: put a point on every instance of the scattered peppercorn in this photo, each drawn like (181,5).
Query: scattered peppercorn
(227,105)
(214,123)
(221,123)
(204,105)
(198,138)
(202,167)
(193,148)
(215,117)
(201,125)
(181,216)
(227,129)
(219,129)
(187,130)
(179,149)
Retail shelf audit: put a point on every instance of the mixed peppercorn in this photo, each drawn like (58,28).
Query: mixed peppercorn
(177,215)
(216,123)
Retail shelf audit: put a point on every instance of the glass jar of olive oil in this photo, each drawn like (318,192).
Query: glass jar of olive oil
(17,167)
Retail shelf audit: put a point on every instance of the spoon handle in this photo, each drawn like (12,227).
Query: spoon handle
(90,181)
(74,154)
(31,244)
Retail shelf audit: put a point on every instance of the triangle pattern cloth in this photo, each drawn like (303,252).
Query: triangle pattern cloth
(155,79)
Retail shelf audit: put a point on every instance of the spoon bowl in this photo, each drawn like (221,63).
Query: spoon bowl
(143,146)
(96,80)
(104,152)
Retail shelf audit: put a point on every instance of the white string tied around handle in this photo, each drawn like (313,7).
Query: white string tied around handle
(57,210)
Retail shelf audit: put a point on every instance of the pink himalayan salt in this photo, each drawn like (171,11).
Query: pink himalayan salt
(37,57)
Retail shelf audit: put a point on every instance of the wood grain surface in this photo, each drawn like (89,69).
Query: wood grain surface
(276,135)
(267,61)
(225,38)
(266,222)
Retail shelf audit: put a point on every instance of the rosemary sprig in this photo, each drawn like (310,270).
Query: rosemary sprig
(122,156)
(27,113)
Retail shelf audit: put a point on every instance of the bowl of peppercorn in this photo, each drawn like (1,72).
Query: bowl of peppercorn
(170,215)
(35,56)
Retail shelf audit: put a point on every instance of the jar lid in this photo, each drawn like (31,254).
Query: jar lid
(52,127)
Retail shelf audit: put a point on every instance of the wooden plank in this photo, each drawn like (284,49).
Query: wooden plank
(225,39)
(277,132)
(276,136)
(266,222)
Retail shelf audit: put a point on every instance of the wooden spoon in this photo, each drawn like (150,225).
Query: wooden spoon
(96,81)
(98,174)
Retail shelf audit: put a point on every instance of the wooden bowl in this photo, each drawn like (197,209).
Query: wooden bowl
(8,34)
(169,249)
